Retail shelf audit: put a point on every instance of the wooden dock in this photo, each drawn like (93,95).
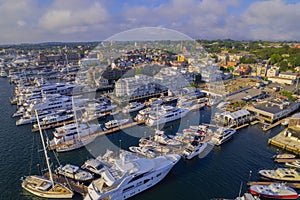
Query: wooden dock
(241,126)
(272,125)
(285,143)
(109,131)
(284,160)
(72,185)
(293,185)
(34,129)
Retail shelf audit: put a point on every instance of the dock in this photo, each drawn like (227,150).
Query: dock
(284,160)
(241,126)
(293,185)
(272,125)
(34,129)
(286,143)
(74,186)
(106,132)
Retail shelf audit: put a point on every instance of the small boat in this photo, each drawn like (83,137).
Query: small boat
(161,138)
(132,107)
(285,122)
(144,151)
(194,148)
(115,123)
(295,164)
(93,165)
(74,172)
(274,191)
(284,156)
(222,135)
(3,73)
(281,174)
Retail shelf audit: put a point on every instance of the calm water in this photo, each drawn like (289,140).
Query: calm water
(219,174)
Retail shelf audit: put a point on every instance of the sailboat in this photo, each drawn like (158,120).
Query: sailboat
(44,187)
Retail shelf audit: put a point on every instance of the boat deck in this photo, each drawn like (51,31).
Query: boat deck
(74,186)
(284,160)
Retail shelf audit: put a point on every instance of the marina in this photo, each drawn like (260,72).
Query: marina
(215,157)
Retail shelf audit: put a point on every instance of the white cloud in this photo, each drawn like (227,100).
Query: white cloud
(77,17)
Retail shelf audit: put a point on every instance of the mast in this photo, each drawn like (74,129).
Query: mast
(75,115)
(45,151)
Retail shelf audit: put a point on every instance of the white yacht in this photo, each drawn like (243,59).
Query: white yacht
(166,114)
(144,151)
(74,172)
(144,113)
(161,138)
(132,107)
(222,134)
(130,175)
(52,119)
(193,149)
(72,132)
(3,73)
(115,123)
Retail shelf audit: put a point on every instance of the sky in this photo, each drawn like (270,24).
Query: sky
(34,21)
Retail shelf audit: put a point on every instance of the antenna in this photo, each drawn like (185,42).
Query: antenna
(45,151)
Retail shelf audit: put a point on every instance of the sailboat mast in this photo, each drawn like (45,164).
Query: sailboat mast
(75,115)
(45,151)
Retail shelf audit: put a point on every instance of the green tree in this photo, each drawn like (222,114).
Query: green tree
(275,58)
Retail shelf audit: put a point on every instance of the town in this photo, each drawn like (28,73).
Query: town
(83,91)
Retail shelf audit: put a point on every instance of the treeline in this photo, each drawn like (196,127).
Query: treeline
(277,53)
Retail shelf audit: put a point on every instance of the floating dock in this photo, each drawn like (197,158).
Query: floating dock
(293,185)
(54,125)
(109,131)
(272,125)
(285,143)
(284,160)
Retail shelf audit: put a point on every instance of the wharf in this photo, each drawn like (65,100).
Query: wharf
(242,126)
(286,143)
(272,125)
(109,131)
(74,186)
(34,129)
(284,160)
(293,185)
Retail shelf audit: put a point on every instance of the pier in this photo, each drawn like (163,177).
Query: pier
(109,131)
(34,129)
(272,125)
(293,185)
(286,143)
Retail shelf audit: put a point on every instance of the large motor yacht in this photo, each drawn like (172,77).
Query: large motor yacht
(130,175)
(166,114)
(222,135)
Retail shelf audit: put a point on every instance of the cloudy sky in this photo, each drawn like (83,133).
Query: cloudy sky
(24,21)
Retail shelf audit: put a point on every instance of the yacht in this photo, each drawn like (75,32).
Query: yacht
(166,114)
(144,113)
(99,164)
(144,151)
(52,119)
(28,118)
(193,149)
(3,73)
(72,132)
(222,134)
(274,191)
(115,123)
(129,175)
(295,164)
(281,174)
(132,107)
(161,138)
(74,172)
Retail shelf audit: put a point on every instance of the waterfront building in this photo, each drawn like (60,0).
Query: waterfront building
(273,110)
(293,130)
(236,118)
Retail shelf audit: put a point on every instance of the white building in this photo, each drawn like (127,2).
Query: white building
(210,72)
(273,72)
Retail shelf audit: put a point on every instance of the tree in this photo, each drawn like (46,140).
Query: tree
(275,58)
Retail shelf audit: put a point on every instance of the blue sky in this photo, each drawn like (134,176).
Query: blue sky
(90,20)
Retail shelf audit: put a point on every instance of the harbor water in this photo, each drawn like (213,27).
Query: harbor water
(219,174)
